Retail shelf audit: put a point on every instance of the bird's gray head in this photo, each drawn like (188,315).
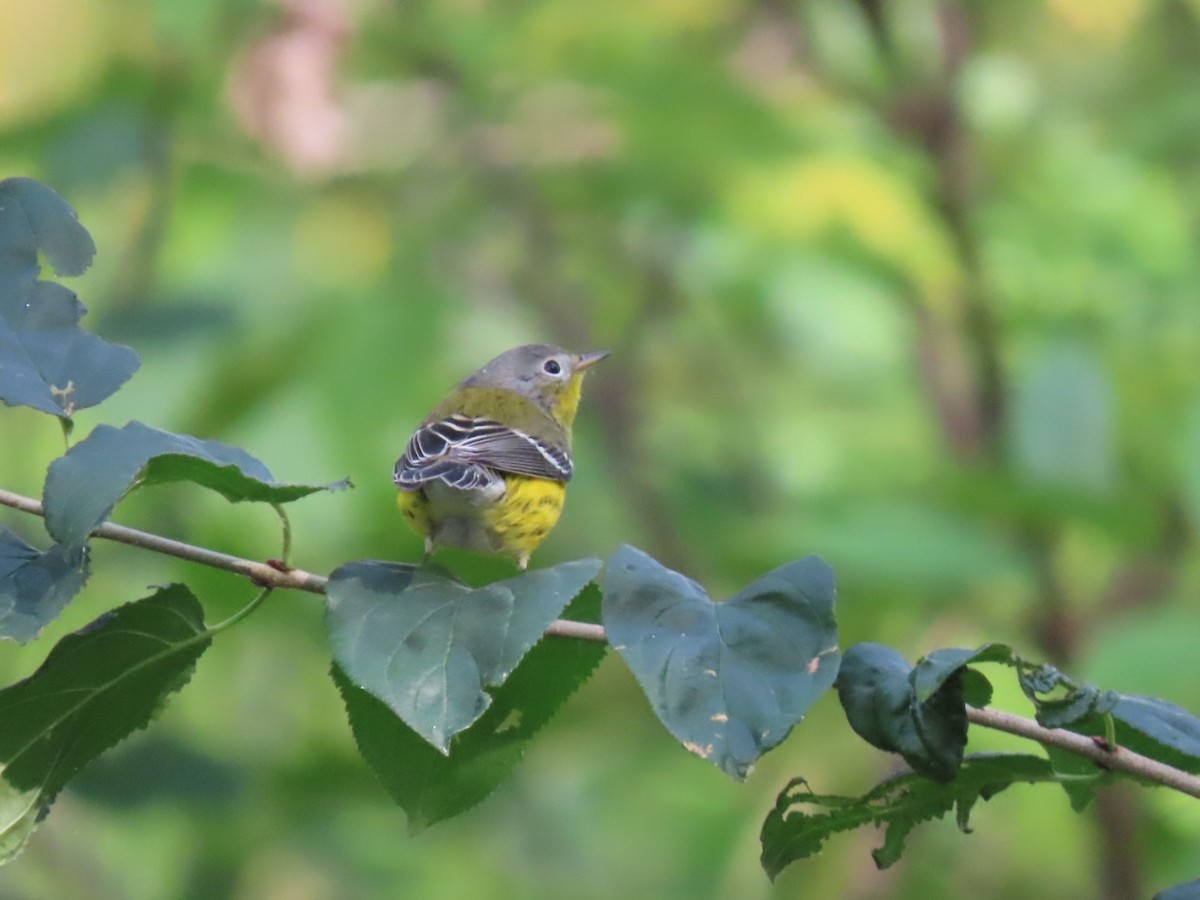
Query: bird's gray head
(542,372)
(533,367)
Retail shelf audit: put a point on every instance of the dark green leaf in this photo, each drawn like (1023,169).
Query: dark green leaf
(1078,775)
(877,692)
(1158,728)
(802,821)
(730,679)
(46,360)
(977,690)
(932,670)
(1146,725)
(1187,891)
(1150,726)
(96,687)
(84,485)
(34,586)
(430,786)
(1062,702)
(33,218)
(428,646)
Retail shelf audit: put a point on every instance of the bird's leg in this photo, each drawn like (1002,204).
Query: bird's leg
(428,549)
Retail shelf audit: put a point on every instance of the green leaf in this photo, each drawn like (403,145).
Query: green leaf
(1078,776)
(430,786)
(977,690)
(1158,728)
(47,361)
(1150,726)
(1147,725)
(428,646)
(33,218)
(96,687)
(931,671)
(20,814)
(34,586)
(1061,701)
(729,679)
(84,485)
(1188,891)
(877,689)
(802,821)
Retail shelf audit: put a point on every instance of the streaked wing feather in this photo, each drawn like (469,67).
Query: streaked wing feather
(466,452)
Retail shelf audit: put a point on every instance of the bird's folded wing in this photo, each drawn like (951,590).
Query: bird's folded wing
(466,452)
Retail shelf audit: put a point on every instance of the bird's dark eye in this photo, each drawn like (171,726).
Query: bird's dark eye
(552,367)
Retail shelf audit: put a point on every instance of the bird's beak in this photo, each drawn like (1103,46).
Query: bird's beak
(587,360)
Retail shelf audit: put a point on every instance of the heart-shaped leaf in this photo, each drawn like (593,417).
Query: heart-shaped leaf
(46,360)
(431,786)
(34,586)
(84,485)
(96,687)
(428,645)
(730,679)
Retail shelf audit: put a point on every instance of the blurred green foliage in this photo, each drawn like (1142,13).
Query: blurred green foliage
(908,284)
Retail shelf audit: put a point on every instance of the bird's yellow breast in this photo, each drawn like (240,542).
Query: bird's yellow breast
(513,524)
(521,519)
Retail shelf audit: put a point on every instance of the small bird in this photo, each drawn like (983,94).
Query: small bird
(488,468)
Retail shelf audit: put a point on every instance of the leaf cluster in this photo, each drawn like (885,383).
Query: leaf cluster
(445,683)
(921,713)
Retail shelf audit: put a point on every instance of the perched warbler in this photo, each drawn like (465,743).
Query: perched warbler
(488,468)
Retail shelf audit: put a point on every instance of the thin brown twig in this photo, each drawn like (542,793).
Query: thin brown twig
(1115,759)
(261,573)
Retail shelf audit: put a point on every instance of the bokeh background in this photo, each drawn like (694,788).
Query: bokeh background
(912,284)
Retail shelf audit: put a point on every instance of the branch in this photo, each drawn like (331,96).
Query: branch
(1114,759)
(261,573)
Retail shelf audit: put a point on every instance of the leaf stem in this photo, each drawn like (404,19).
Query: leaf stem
(243,612)
(285,554)
(1110,729)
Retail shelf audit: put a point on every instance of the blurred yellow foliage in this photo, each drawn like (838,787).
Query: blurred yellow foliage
(342,242)
(692,14)
(1106,20)
(50,50)
(819,197)
(556,33)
